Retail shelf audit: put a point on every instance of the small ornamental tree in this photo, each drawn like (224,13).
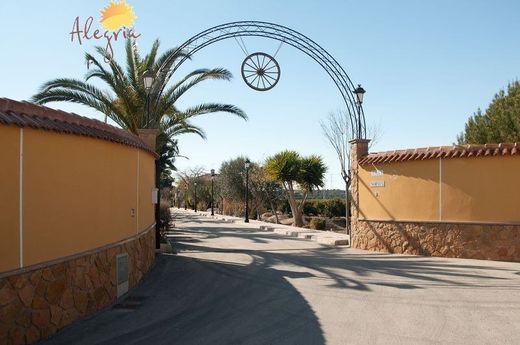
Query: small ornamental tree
(295,172)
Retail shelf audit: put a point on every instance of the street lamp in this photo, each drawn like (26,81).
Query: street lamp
(195,184)
(148,79)
(247,165)
(359,92)
(185,197)
(173,191)
(212,178)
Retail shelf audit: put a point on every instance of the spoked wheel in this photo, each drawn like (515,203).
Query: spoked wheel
(260,71)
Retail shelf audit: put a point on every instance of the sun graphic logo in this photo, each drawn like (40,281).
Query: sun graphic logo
(116,15)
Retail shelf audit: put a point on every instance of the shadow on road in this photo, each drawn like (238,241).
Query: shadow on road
(250,292)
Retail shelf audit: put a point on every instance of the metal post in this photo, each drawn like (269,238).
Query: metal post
(247,195)
(212,211)
(195,206)
(158,205)
(359,135)
(147,110)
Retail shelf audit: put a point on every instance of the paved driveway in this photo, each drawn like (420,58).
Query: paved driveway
(230,284)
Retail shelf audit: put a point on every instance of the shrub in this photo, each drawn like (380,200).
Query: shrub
(165,216)
(326,208)
(310,208)
(334,208)
(317,224)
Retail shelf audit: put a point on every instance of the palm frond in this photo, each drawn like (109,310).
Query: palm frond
(207,108)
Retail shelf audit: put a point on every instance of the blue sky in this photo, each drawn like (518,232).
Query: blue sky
(426,66)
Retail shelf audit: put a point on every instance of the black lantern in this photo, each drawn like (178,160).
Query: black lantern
(148,79)
(359,92)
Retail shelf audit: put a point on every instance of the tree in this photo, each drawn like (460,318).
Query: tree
(337,131)
(127,101)
(264,189)
(293,171)
(231,179)
(500,123)
(194,187)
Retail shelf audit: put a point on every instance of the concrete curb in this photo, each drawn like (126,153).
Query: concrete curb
(326,238)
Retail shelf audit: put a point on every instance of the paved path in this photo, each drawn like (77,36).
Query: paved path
(230,284)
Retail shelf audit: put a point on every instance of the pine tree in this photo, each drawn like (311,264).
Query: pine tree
(499,124)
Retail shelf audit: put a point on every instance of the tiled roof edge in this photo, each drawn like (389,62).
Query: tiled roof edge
(455,151)
(25,114)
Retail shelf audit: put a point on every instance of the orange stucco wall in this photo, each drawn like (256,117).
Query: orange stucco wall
(481,189)
(146,183)
(9,197)
(79,194)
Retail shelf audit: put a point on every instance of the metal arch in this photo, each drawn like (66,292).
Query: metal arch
(286,35)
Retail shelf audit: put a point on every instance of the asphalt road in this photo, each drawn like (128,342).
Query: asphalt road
(229,284)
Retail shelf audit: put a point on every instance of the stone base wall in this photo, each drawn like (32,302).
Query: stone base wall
(455,240)
(36,302)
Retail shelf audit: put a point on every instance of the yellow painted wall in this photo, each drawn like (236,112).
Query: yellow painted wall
(146,184)
(481,189)
(411,191)
(9,197)
(79,194)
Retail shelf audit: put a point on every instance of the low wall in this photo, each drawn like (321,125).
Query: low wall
(74,193)
(35,302)
(454,240)
(451,201)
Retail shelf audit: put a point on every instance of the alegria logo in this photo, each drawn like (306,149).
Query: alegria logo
(117,18)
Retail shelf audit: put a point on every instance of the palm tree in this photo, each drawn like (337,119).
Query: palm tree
(292,171)
(130,105)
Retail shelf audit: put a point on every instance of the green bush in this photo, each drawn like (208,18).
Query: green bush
(165,216)
(334,208)
(317,224)
(326,208)
(317,207)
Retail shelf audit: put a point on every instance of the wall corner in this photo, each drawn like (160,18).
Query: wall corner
(358,150)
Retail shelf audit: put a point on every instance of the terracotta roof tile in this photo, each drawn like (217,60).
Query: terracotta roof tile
(456,151)
(24,114)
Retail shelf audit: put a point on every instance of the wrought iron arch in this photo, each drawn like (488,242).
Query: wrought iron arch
(291,37)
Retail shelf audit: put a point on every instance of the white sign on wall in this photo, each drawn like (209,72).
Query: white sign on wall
(377,184)
(155,192)
(376,172)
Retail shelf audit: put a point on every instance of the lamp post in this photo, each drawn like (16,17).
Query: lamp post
(247,164)
(173,193)
(148,80)
(212,178)
(195,184)
(359,92)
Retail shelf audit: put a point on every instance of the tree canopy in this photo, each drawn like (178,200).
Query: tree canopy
(500,123)
(292,170)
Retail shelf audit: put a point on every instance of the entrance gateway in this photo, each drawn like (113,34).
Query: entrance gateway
(265,62)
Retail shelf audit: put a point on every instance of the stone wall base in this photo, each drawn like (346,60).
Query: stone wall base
(36,302)
(454,240)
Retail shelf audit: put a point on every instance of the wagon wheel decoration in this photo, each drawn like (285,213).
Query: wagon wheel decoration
(260,71)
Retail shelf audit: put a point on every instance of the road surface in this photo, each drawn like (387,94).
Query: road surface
(233,284)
